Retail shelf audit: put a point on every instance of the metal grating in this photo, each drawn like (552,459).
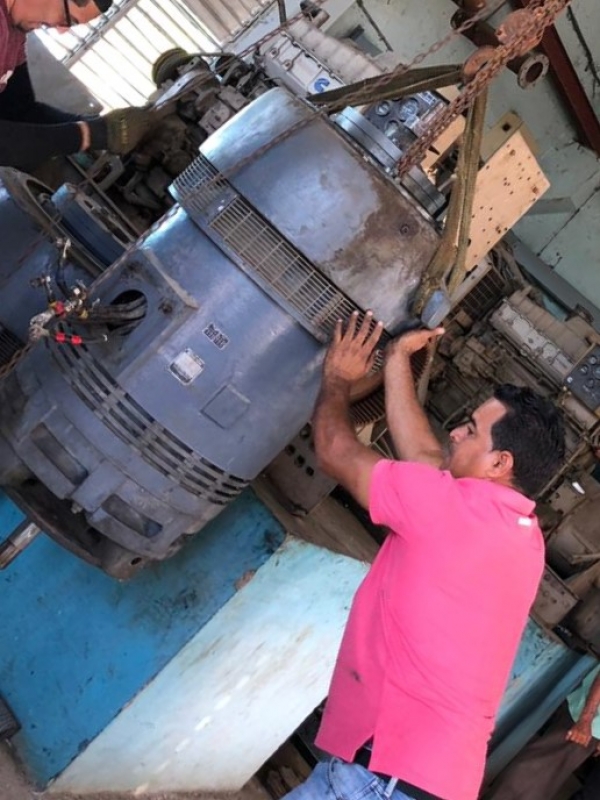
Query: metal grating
(133,425)
(264,254)
(199,186)
(291,275)
(369,409)
(484,295)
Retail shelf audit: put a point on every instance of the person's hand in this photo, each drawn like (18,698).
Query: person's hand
(580,733)
(352,353)
(411,342)
(121,130)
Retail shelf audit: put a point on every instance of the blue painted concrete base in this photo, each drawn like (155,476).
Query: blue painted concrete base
(76,646)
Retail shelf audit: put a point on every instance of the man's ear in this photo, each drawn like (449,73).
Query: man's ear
(502,464)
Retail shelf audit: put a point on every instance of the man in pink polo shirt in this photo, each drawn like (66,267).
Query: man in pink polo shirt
(435,625)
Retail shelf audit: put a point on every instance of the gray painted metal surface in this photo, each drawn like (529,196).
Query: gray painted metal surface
(554,284)
(346,217)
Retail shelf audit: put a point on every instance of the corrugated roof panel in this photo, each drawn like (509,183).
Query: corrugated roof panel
(113,56)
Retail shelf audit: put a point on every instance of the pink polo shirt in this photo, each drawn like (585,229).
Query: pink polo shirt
(434,627)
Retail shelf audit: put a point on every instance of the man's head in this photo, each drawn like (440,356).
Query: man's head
(516,438)
(28,15)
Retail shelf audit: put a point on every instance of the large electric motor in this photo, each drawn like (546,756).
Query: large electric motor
(121,448)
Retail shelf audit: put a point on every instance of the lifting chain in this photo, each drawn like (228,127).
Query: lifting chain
(521,31)
(351,98)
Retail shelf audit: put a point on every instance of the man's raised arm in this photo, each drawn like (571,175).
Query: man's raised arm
(339,452)
(409,427)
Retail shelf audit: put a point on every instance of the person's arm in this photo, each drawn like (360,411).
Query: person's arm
(31,132)
(18,103)
(581,732)
(338,450)
(409,427)
(25,146)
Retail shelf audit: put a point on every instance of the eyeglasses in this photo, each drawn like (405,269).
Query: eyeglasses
(69,22)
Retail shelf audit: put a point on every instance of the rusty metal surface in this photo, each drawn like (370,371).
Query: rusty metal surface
(545,14)
(568,84)
(510,32)
(477,61)
(529,68)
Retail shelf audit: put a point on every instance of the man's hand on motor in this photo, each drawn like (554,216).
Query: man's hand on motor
(352,353)
(580,733)
(412,342)
(120,130)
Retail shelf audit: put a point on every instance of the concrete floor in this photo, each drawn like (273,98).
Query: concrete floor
(14,786)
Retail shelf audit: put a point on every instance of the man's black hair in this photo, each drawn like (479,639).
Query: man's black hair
(103,5)
(533,430)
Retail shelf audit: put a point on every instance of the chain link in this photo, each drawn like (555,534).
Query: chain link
(542,15)
(383,80)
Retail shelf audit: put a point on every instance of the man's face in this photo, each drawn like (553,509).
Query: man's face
(471,449)
(29,15)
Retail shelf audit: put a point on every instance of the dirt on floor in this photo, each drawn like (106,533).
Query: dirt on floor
(14,786)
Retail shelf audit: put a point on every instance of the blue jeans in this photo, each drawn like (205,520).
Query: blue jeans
(337,780)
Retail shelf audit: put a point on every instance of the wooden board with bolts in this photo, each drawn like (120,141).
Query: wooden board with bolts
(508,185)
(506,126)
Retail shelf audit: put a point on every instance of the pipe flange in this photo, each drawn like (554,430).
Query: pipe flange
(533,69)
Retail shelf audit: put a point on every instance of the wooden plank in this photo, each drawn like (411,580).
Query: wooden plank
(236,691)
(499,134)
(508,185)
